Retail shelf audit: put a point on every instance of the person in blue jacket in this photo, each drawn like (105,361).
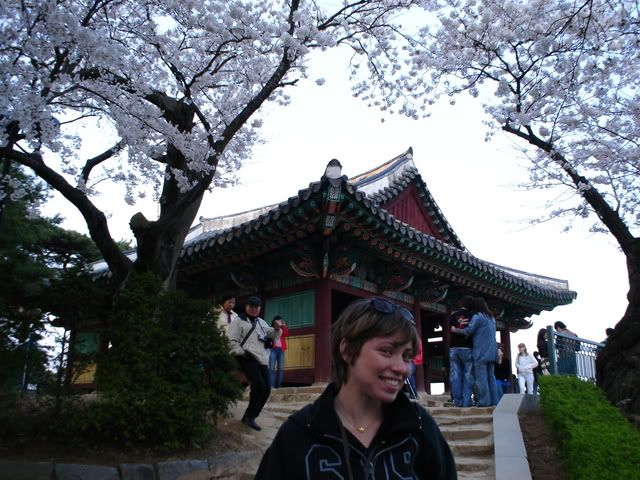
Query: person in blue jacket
(360,428)
(482,330)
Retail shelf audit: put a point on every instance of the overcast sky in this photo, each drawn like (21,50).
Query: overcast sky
(473,182)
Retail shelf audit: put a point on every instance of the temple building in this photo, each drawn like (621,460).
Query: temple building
(378,233)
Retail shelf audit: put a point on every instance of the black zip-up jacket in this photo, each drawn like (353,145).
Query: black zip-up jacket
(309,446)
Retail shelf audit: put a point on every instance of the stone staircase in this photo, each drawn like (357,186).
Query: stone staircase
(469,431)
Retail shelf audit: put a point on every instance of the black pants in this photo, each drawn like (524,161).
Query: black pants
(258,377)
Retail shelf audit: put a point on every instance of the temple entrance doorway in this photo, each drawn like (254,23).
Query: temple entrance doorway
(339,301)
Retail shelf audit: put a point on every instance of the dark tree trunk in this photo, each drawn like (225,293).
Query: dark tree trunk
(160,242)
(618,365)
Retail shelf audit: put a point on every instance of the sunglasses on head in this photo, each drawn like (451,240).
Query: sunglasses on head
(382,305)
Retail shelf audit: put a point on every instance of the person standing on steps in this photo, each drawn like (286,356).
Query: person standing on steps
(461,360)
(503,374)
(359,427)
(413,368)
(276,357)
(525,363)
(224,313)
(482,329)
(249,338)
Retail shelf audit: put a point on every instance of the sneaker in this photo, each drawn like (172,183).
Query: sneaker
(250,422)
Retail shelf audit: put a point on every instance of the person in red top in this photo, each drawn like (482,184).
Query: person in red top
(276,357)
(417,360)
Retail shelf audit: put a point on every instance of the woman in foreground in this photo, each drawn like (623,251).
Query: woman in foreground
(360,428)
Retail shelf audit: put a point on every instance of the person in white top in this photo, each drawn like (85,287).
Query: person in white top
(525,363)
(223,313)
(248,339)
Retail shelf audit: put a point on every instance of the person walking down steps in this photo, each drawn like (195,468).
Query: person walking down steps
(250,339)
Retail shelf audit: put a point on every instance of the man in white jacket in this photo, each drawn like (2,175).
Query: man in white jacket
(248,335)
(525,363)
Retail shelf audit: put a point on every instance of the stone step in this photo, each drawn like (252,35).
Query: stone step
(443,416)
(441,397)
(471,448)
(462,420)
(286,406)
(486,475)
(457,432)
(434,411)
(479,465)
(315,388)
(435,400)
(310,393)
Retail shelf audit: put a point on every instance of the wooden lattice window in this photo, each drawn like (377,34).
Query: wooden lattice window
(298,309)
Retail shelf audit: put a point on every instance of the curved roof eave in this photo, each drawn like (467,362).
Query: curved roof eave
(464,262)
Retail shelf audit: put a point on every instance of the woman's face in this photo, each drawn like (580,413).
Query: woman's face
(382,367)
(522,348)
(229,304)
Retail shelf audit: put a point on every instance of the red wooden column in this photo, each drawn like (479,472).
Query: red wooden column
(322,367)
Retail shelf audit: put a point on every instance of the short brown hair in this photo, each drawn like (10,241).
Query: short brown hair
(357,324)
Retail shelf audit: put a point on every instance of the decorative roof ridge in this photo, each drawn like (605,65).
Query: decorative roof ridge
(260,216)
(377,178)
(543,280)
(224,222)
(396,186)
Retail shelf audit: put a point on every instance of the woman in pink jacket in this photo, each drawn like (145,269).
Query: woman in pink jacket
(276,357)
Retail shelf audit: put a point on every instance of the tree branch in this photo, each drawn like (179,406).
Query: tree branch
(92,162)
(118,263)
(593,197)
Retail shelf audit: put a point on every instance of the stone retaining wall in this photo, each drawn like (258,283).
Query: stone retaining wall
(220,467)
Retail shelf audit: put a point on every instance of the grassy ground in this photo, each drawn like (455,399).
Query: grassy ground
(596,441)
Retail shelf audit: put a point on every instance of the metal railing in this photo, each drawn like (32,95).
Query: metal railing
(572,355)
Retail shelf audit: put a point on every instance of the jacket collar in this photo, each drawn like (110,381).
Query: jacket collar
(247,318)
(400,416)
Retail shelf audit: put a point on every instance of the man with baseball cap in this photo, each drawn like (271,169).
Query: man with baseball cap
(248,337)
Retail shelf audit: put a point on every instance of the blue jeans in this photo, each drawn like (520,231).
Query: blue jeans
(276,366)
(485,384)
(567,364)
(461,376)
(502,387)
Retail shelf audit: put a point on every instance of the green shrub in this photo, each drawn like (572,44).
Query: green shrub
(595,439)
(167,370)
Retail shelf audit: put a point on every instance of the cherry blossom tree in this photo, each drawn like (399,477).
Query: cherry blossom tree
(180,83)
(563,77)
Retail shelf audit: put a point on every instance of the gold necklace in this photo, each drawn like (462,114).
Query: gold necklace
(359,428)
